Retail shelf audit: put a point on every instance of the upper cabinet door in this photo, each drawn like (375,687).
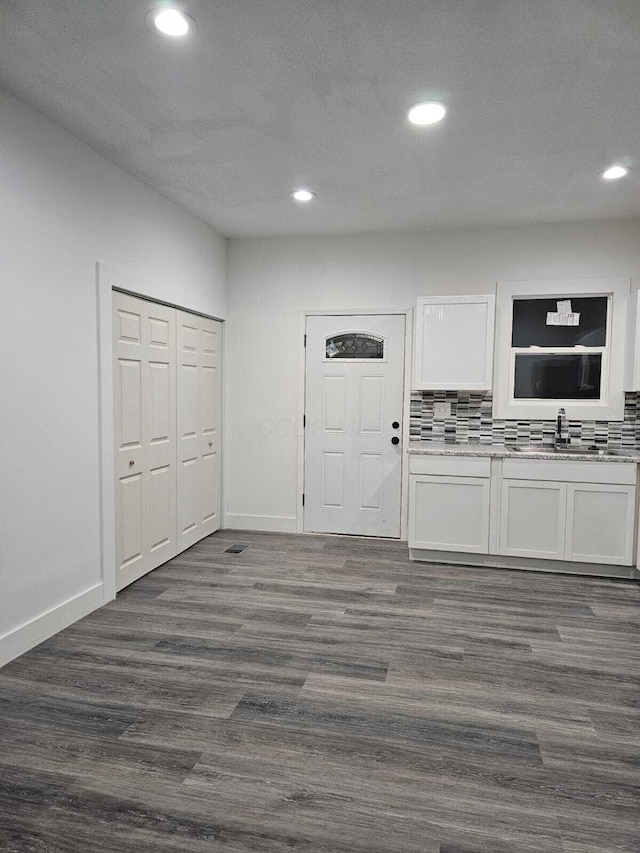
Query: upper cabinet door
(632,355)
(454,343)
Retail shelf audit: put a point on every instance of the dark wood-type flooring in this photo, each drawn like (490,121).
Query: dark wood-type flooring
(325,695)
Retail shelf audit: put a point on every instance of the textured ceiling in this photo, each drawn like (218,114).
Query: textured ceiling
(270,94)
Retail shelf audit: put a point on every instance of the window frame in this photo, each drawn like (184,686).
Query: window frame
(610,405)
(516,351)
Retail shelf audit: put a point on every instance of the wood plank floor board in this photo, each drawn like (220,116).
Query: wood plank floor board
(125,681)
(245,652)
(187,818)
(590,756)
(110,623)
(330,717)
(85,757)
(452,700)
(616,722)
(323,694)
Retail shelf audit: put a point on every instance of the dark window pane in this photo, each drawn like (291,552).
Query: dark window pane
(530,323)
(354,345)
(558,377)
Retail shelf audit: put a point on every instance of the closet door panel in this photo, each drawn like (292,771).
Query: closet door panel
(210,490)
(211,385)
(188,488)
(167,406)
(198,427)
(145,435)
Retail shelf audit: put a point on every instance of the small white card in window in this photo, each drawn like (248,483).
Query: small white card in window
(555,319)
(564,316)
(332,350)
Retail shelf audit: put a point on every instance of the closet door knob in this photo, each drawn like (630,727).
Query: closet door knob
(395,425)
(395,440)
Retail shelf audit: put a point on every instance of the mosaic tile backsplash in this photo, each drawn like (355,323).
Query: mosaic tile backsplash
(472,422)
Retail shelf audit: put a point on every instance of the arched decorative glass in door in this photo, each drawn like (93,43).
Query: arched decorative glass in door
(356,345)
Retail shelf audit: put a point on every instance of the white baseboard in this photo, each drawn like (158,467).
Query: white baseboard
(25,637)
(270,523)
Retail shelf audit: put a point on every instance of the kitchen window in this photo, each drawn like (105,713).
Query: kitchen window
(560,344)
(558,354)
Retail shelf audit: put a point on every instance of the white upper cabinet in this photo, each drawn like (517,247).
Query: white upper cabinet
(632,366)
(454,343)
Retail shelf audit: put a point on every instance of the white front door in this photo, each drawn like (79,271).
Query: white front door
(353,429)
(145,435)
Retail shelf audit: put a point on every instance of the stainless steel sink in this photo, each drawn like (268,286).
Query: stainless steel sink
(587,450)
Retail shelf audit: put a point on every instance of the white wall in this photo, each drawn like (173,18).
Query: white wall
(62,208)
(270,280)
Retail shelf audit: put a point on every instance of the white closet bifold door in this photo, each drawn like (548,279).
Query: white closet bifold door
(145,435)
(198,415)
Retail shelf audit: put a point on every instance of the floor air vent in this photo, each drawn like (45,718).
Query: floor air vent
(236,549)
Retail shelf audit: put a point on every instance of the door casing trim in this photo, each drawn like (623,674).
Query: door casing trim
(301,401)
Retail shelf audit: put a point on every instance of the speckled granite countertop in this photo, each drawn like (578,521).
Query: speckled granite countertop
(436,448)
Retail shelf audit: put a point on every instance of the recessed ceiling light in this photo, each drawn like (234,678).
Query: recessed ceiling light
(615,172)
(429,112)
(172,22)
(303,195)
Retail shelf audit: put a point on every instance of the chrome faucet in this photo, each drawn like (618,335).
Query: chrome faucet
(559,439)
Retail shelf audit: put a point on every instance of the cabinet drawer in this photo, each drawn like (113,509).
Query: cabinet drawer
(450,466)
(619,473)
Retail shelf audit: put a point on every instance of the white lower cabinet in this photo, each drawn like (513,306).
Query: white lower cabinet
(584,521)
(580,512)
(532,519)
(600,522)
(449,513)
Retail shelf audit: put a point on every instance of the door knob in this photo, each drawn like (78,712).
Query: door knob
(395,440)
(132,462)
(395,425)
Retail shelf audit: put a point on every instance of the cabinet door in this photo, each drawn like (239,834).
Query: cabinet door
(449,513)
(454,343)
(632,358)
(600,523)
(532,519)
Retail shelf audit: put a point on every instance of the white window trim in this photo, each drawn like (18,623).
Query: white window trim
(611,405)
